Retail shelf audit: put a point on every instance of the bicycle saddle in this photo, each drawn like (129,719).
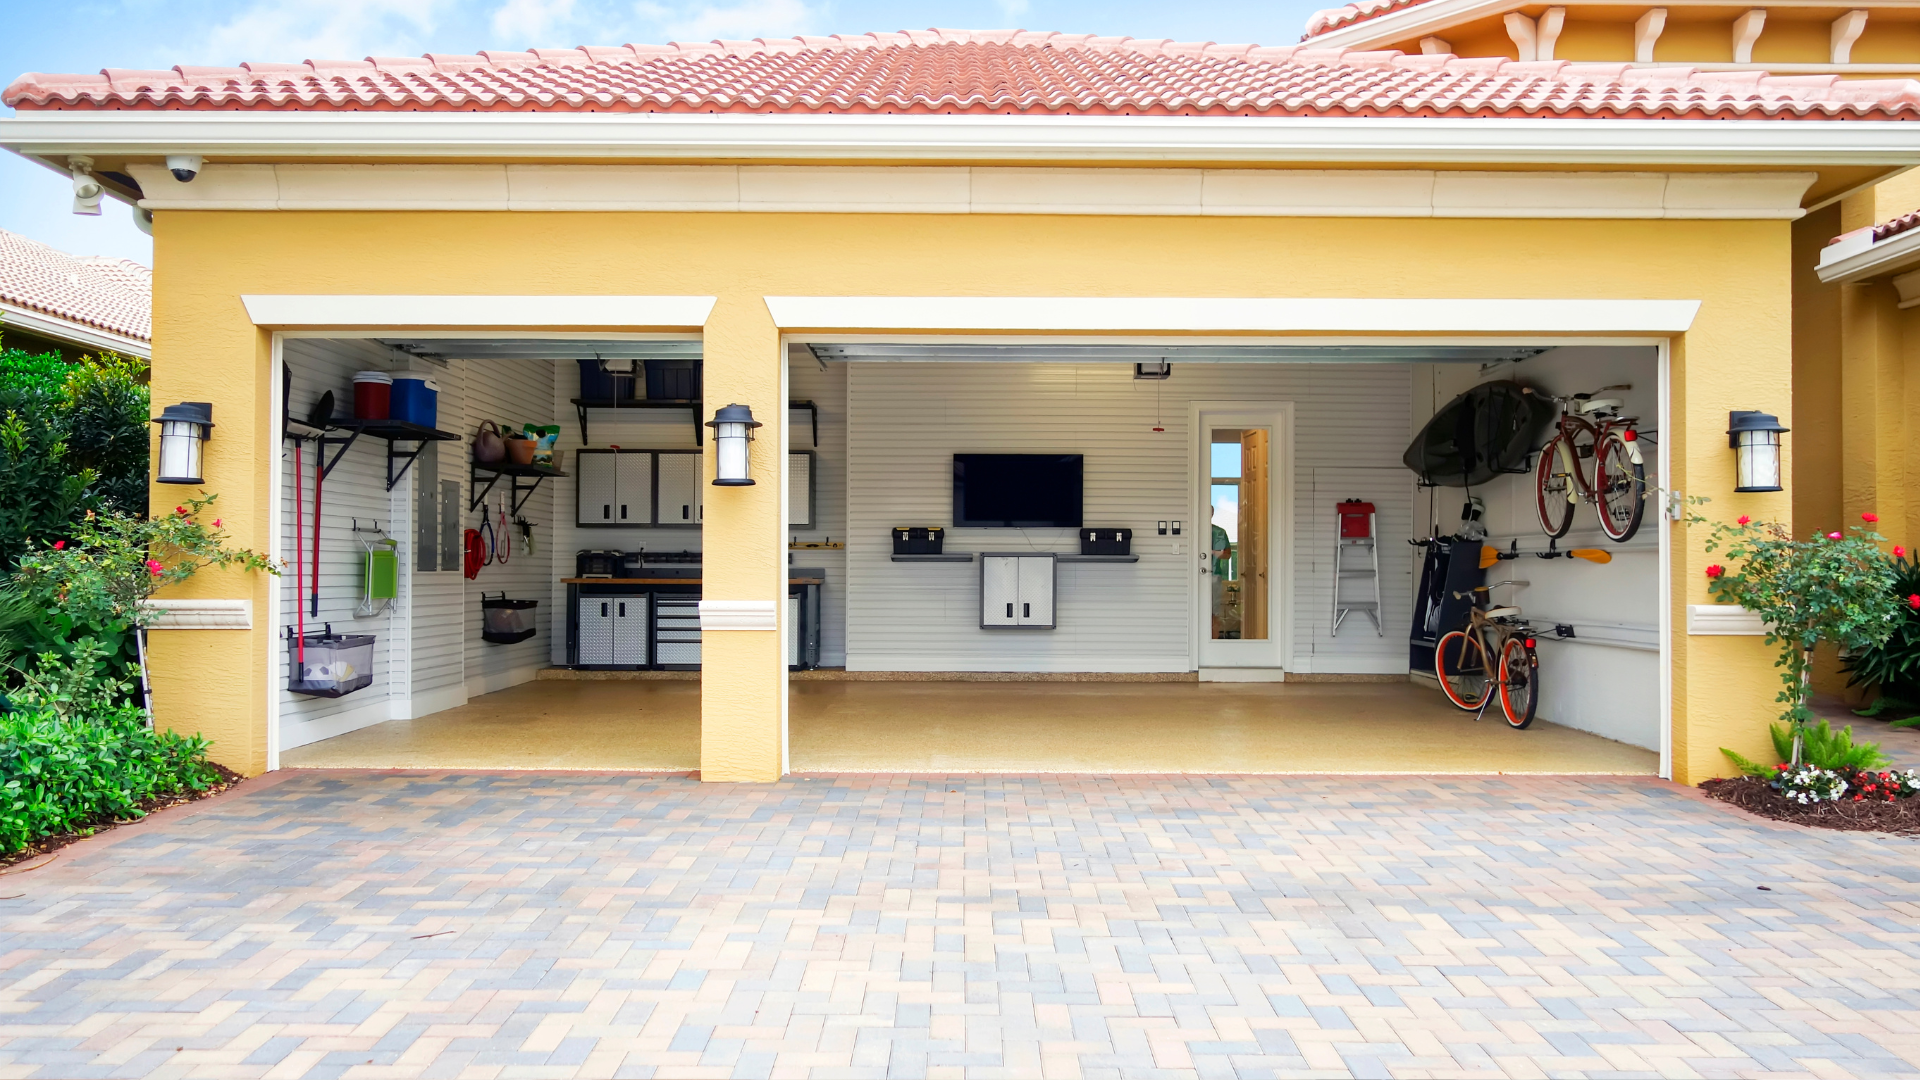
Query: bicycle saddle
(1501,612)
(1603,404)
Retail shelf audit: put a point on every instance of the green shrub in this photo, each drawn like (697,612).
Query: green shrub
(73,438)
(1823,748)
(1892,668)
(107,426)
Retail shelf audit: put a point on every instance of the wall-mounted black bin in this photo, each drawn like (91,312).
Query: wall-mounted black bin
(504,621)
(329,664)
(1106,541)
(603,380)
(919,539)
(673,380)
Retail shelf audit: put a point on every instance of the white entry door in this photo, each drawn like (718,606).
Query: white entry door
(1239,541)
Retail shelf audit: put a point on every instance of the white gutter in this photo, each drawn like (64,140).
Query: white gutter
(912,138)
(1408,24)
(1856,257)
(73,333)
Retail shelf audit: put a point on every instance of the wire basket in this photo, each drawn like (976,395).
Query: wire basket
(333,665)
(504,621)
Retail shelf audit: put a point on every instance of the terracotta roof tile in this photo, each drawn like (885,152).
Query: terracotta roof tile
(989,71)
(110,294)
(1334,18)
(1897,226)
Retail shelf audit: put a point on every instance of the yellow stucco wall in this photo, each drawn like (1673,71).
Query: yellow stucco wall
(1696,35)
(1736,356)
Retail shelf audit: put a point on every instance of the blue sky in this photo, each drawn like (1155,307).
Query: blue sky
(87,35)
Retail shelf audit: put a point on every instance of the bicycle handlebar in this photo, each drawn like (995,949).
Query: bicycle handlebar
(1482,588)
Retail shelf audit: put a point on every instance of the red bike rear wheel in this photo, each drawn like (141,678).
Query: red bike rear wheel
(1460,663)
(1552,488)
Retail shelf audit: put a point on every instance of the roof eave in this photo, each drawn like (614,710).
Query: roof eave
(1144,140)
(71,331)
(1411,23)
(1849,260)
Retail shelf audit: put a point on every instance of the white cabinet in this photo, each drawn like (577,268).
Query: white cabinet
(680,488)
(613,487)
(1016,590)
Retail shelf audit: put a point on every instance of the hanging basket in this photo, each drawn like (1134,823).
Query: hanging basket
(504,621)
(334,665)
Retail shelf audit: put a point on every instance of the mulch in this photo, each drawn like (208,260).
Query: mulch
(1900,817)
(47,845)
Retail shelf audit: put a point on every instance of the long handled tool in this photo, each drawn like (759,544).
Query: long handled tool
(1490,555)
(319,418)
(299,528)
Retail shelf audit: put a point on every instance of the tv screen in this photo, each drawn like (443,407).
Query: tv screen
(1012,491)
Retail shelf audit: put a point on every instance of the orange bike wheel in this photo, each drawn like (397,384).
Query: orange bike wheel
(1460,663)
(1519,683)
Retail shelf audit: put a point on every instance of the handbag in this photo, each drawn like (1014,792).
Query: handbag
(488,446)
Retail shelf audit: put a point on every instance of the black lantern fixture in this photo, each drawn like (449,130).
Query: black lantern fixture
(732,430)
(1755,439)
(184,430)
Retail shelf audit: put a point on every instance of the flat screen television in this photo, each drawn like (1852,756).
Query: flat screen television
(1017,491)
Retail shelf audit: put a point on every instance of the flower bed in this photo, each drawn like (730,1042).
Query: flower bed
(1864,801)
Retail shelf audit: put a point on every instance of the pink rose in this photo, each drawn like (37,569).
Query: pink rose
(1833,536)
(1899,552)
(1716,570)
(1745,520)
(1869,517)
(1914,601)
(59,545)
(216,523)
(180,510)
(154,567)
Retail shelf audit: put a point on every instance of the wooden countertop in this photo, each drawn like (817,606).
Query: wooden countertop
(668,581)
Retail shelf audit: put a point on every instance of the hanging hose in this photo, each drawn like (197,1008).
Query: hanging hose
(476,553)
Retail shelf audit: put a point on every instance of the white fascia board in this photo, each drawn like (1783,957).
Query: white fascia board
(915,138)
(653,312)
(1435,17)
(1218,315)
(73,333)
(1850,261)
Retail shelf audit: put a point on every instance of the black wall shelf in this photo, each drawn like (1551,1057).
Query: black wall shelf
(581,405)
(1098,558)
(933,558)
(392,432)
(492,471)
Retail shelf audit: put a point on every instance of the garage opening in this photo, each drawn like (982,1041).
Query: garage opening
(1032,557)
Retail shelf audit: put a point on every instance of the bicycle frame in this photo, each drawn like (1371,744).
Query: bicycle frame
(1571,425)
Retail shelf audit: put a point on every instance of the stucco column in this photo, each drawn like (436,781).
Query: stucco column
(1737,356)
(1873,403)
(214,682)
(743,680)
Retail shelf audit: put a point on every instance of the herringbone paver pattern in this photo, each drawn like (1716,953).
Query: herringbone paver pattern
(557,925)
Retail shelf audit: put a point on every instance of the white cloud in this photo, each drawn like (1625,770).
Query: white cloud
(531,22)
(288,31)
(746,19)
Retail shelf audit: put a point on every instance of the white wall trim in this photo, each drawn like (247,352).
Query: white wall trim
(74,333)
(374,711)
(1723,619)
(964,190)
(617,136)
(739,615)
(1228,315)
(399,312)
(172,614)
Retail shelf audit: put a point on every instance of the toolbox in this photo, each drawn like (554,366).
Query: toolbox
(1106,541)
(918,539)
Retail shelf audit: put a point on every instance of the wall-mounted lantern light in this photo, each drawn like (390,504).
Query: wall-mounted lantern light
(732,430)
(184,430)
(1755,439)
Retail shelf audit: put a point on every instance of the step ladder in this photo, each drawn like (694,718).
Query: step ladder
(1356,564)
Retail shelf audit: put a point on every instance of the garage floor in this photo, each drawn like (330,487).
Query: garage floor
(870,727)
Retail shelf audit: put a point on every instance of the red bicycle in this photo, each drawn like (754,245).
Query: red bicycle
(1591,428)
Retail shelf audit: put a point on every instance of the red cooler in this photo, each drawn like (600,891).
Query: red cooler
(1356,519)
(372,395)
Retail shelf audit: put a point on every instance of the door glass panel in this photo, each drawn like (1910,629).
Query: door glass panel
(1238,495)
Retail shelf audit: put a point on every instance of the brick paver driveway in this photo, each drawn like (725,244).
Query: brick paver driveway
(571,925)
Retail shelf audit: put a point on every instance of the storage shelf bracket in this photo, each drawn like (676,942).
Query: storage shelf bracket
(516,493)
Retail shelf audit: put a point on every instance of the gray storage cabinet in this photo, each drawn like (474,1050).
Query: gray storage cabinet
(611,631)
(679,486)
(1017,590)
(613,488)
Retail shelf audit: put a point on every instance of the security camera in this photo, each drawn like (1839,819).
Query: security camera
(86,190)
(184,167)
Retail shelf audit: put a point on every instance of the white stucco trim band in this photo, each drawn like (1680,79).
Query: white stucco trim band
(687,313)
(1723,619)
(904,138)
(869,189)
(738,615)
(1224,315)
(171,614)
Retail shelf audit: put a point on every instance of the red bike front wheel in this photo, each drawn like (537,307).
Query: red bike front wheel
(1460,663)
(1519,683)
(1553,490)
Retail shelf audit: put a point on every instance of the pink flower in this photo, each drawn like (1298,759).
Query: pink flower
(216,523)
(180,510)
(1869,517)
(1914,601)
(154,567)
(1899,552)
(1833,536)
(59,545)
(1745,520)
(1716,570)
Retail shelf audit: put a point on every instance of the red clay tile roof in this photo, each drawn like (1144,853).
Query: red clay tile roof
(1360,11)
(1897,226)
(110,294)
(959,71)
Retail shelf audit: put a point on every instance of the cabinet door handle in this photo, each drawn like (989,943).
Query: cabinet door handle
(603,610)
(623,511)
(684,514)
(623,610)
(1026,611)
(606,511)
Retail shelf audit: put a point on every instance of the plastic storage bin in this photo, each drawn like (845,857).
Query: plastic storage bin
(504,621)
(333,665)
(372,395)
(599,384)
(673,380)
(416,399)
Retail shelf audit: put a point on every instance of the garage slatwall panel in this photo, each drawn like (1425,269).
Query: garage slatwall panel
(828,390)
(510,393)
(907,420)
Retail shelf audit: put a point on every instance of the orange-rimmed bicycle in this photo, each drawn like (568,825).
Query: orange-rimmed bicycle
(1495,650)
(1591,428)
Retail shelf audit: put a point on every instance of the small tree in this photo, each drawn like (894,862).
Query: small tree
(1825,588)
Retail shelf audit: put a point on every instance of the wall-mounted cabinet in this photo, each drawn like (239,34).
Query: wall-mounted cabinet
(680,489)
(627,488)
(1016,590)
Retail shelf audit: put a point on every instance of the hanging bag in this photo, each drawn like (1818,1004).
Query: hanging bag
(488,446)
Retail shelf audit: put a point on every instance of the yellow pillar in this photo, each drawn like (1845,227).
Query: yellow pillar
(1873,403)
(743,682)
(214,681)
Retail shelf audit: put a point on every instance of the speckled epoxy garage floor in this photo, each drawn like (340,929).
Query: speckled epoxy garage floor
(1025,727)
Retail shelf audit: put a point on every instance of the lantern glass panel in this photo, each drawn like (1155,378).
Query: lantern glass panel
(180,449)
(1757,461)
(731,443)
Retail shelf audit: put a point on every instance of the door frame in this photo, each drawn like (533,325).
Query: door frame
(1281,571)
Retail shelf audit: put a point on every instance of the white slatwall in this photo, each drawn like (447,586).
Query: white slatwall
(828,390)
(907,420)
(510,393)
(1608,690)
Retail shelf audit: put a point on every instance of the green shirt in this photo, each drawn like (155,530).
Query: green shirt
(1221,562)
